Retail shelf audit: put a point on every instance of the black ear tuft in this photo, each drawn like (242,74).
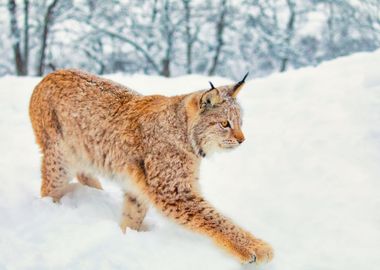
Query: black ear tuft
(245,77)
(234,90)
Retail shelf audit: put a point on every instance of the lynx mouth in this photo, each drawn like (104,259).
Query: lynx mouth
(228,144)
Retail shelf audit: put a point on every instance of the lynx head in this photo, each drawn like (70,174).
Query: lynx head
(217,119)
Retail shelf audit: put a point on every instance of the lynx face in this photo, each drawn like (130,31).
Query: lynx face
(218,125)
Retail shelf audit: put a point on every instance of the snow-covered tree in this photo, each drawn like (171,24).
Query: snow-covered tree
(170,38)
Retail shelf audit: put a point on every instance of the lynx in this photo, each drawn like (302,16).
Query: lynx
(153,145)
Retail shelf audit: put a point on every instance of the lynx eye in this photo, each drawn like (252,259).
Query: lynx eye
(225,124)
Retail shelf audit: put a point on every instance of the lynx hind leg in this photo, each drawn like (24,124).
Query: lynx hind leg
(90,181)
(55,174)
(134,211)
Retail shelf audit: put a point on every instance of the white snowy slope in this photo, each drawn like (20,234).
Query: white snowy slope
(307,180)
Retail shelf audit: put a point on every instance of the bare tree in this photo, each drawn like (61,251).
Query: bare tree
(48,20)
(220,26)
(189,38)
(26,36)
(16,39)
(169,33)
(139,48)
(169,37)
(289,33)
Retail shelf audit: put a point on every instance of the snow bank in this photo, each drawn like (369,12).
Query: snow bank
(306,180)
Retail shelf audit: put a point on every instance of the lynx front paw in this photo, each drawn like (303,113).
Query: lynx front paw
(248,249)
(263,252)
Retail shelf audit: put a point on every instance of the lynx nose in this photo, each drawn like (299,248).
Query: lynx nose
(239,136)
(240,140)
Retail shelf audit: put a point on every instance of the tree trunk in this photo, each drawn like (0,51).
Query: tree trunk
(47,23)
(330,28)
(26,36)
(284,64)
(219,38)
(165,67)
(290,33)
(189,39)
(165,71)
(15,37)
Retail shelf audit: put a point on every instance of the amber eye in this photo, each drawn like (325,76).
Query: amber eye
(225,124)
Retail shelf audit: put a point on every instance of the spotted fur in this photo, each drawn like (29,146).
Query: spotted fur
(153,145)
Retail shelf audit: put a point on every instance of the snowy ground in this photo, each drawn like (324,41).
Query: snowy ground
(307,180)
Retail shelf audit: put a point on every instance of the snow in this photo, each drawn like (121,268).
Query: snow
(306,180)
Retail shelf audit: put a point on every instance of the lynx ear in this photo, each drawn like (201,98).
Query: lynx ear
(210,98)
(237,87)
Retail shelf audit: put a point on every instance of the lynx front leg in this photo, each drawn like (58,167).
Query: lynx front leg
(192,211)
(172,189)
(134,211)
